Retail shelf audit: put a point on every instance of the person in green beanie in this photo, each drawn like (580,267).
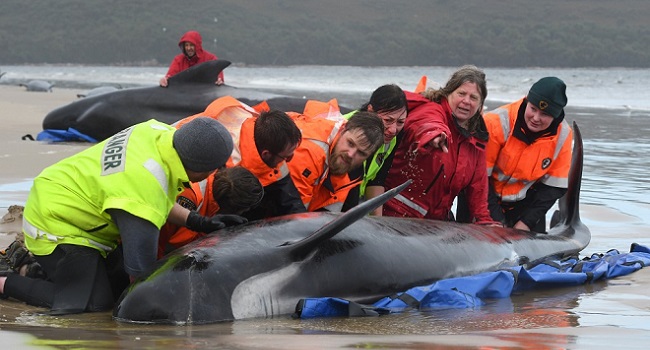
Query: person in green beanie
(528,156)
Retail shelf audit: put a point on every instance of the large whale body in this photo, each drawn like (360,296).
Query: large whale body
(189,92)
(263,268)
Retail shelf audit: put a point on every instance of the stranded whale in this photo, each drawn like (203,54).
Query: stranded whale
(189,92)
(263,268)
(38,86)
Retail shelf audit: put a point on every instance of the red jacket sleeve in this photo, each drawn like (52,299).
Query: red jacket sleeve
(176,66)
(425,122)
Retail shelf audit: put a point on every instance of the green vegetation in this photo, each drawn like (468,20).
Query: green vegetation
(497,33)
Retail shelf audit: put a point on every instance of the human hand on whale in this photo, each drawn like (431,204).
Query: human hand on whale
(199,223)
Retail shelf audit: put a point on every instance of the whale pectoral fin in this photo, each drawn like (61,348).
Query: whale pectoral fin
(302,247)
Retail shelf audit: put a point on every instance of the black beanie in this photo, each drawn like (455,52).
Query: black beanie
(203,144)
(549,95)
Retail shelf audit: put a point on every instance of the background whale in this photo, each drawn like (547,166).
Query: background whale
(263,268)
(189,92)
(38,86)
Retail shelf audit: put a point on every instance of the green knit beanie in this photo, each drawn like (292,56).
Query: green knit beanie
(549,95)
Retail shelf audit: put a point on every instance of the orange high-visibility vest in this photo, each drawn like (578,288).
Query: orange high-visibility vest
(231,113)
(250,158)
(328,110)
(310,164)
(239,119)
(513,166)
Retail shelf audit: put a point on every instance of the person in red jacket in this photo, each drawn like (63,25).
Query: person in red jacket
(192,53)
(443,151)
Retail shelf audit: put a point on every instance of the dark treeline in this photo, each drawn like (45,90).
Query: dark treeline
(504,33)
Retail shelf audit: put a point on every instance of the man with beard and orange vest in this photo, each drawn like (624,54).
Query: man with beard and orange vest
(263,144)
(192,53)
(529,156)
(327,164)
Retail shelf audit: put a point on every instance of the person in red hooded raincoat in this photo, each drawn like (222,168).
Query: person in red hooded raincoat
(443,151)
(192,53)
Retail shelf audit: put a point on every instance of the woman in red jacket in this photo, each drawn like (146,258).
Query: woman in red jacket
(192,53)
(443,151)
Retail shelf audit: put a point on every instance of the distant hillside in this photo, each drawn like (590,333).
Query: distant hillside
(503,33)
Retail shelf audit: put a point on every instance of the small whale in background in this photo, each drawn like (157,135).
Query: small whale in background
(189,92)
(98,91)
(38,85)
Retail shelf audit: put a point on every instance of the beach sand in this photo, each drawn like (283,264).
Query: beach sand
(21,114)
(604,315)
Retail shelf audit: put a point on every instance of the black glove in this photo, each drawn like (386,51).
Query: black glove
(199,223)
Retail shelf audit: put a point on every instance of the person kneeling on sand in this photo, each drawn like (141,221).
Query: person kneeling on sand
(121,190)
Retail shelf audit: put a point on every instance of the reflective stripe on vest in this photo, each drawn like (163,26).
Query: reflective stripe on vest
(159,173)
(325,146)
(284,170)
(335,207)
(36,233)
(203,185)
(504,119)
(411,204)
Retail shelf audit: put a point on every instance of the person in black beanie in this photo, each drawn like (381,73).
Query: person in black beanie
(117,193)
(528,156)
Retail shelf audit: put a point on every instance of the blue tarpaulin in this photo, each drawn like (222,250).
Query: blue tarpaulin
(70,135)
(468,291)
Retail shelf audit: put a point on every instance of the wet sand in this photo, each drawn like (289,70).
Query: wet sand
(609,313)
(21,114)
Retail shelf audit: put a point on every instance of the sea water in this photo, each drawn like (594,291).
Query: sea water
(615,88)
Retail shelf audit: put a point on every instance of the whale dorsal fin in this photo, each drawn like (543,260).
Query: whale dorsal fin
(206,72)
(569,204)
(302,247)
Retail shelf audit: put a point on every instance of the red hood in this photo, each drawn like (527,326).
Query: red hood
(195,38)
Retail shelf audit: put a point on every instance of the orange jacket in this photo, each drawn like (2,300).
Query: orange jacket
(309,166)
(251,160)
(239,119)
(514,166)
(281,195)
(199,198)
